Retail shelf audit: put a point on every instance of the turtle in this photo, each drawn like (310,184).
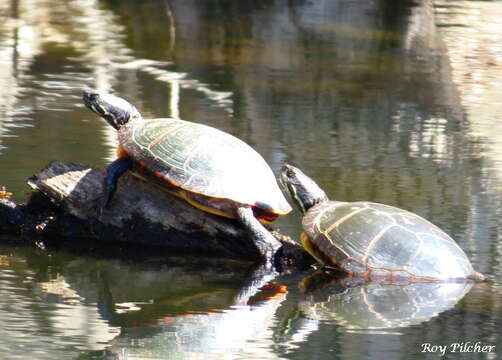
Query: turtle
(371,240)
(209,168)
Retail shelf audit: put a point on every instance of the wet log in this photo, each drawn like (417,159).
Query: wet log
(64,204)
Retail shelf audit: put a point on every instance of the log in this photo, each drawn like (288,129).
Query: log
(140,213)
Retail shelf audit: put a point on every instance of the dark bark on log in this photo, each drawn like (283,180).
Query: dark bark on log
(140,213)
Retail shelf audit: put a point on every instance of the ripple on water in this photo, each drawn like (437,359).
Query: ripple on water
(33,319)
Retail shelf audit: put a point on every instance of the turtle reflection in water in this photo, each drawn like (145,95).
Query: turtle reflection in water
(356,304)
(210,169)
(374,241)
(240,328)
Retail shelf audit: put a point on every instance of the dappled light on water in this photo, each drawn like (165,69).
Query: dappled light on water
(476,66)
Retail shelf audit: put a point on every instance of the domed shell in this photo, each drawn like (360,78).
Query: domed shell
(388,241)
(204,160)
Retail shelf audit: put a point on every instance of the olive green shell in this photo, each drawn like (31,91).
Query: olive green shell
(377,240)
(203,160)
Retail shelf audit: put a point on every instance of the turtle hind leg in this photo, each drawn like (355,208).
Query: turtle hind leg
(112,173)
(264,241)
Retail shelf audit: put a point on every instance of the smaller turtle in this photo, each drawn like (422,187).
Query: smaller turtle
(210,169)
(371,240)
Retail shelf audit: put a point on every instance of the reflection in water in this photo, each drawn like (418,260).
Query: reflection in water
(241,330)
(92,45)
(64,302)
(41,315)
(163,307)
(476,64)
(18,46)
(356,305)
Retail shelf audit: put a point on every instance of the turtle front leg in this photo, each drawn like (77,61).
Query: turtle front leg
(264,241)
(112,173)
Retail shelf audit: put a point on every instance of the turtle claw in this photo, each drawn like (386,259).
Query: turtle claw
(99,211)
(101,206)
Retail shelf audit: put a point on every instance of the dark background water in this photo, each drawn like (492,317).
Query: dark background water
(359,94)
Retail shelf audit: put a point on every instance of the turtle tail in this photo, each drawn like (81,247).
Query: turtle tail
(476,276)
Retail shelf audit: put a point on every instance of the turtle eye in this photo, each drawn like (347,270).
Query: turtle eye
(123,119)
(90,97)
(290,172)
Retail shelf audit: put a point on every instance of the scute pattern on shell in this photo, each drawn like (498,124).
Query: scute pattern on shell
(203,160)
(383,237)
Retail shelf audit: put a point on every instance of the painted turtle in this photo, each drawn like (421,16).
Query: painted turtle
(210,169)
(372,240)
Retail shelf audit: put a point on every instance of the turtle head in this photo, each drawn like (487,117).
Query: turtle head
(302,189)
(114,110)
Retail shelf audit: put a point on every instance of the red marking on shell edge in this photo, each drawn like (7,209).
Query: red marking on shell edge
(379,274)
(121,151)
(269,218)
(282,289)
(400,275)
(389,277)
(366,275)
(263,214)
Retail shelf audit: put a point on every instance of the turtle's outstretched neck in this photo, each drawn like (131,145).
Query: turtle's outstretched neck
(116,111)
(303,190)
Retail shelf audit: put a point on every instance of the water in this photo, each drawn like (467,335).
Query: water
(376,101)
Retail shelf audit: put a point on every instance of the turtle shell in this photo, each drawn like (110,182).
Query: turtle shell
(203,160)
(381,241)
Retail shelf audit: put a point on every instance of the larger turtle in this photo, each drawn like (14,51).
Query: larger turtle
(371,240)
(212,170)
